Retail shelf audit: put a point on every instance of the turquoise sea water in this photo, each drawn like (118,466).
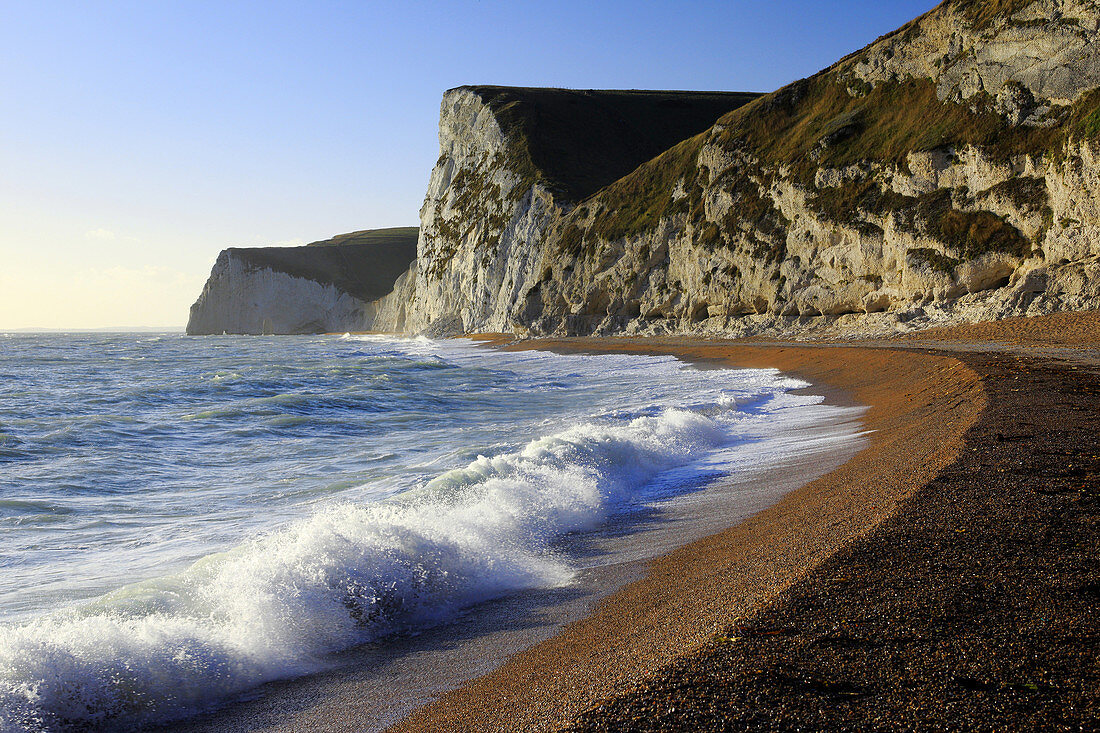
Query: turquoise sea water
(182,519)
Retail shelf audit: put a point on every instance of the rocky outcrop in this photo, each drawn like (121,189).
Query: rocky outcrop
(334,285)
(946,173)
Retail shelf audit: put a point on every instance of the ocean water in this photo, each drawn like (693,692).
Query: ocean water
(183,519)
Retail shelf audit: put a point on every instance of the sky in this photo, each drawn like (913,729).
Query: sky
(138,139)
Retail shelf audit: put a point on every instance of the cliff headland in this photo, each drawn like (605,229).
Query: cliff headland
(325,286)
(945,173)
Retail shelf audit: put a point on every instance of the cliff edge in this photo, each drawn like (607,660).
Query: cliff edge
(512,161)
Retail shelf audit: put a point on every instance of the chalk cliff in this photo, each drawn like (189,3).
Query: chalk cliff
(511,162)
(325,286)
(947,172)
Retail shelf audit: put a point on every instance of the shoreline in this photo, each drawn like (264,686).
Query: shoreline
(691,594)
(974,607)
(662,652)
(369,682)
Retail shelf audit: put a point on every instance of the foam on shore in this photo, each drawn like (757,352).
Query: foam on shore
(276,606)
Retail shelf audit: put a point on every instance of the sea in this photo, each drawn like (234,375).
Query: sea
(184,519)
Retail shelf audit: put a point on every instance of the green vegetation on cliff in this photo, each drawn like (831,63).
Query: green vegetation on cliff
(983,13)
(399,237)
(578,141)
(820,122)
(834,119)
(364,264)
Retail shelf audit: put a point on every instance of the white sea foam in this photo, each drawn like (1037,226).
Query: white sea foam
(274,607)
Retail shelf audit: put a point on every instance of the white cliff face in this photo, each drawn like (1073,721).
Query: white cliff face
(950,235)
(798,269)
(482,226)
(242,299)
(391,312)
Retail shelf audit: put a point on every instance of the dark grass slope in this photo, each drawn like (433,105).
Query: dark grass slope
(976,608)
(365,264)
(581,140)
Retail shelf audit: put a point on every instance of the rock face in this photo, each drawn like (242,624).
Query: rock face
(322,287)
(511,161)
(948,172)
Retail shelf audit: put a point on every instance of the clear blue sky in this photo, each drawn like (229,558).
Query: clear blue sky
(138,139)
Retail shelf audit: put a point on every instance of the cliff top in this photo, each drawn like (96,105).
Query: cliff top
(364,263)
(582,140)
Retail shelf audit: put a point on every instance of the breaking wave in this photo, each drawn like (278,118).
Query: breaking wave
(278,605)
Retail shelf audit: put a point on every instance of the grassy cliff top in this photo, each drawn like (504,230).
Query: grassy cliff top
(364,264)
(581,140)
